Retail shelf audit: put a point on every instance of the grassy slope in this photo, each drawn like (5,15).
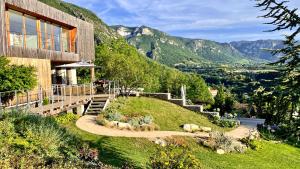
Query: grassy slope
(114,150)
(167,115)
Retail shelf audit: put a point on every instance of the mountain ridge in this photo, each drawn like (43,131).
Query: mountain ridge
(172,50)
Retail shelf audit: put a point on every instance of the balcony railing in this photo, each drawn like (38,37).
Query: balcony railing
(56,95)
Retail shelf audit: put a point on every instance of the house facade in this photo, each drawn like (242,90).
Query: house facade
(33,33)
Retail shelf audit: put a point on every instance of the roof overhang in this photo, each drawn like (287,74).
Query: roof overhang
(77,65)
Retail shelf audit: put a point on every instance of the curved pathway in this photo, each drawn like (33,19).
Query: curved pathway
(88,124)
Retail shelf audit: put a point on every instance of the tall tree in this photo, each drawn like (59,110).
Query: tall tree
(284,18)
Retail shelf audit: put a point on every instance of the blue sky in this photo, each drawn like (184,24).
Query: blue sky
(219,20)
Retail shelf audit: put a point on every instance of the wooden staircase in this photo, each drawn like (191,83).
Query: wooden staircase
(97,104)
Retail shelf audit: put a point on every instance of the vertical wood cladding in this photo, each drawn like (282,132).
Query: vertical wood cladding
(85,32)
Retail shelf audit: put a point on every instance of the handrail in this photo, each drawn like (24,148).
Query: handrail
(57,93)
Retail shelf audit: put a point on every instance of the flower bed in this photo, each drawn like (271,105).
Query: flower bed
(119,121)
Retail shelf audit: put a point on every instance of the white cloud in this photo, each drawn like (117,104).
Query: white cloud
(185,17)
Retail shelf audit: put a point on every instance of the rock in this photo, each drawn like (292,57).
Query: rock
(160,142)
(112,124)
(205,129)
(124,125)
(220,151)
(253,134)
(190,127)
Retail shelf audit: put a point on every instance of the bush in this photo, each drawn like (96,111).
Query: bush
(46,101)
(134,122)
(146,120)
(114,117)
(250,143)
(219,140)
(33,141)
(173,157)
(66,118)
(101,120)
(226,122)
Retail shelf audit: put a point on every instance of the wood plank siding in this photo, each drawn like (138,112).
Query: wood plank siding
(84,32)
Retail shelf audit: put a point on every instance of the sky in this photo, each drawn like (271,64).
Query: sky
(219,20)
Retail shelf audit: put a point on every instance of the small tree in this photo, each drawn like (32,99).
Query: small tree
(220,100)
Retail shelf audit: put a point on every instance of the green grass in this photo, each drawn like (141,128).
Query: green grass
(167,115)
(116,150)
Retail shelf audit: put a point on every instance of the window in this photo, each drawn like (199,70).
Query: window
(57,35)
(16,29)
(65,37)
(31,32)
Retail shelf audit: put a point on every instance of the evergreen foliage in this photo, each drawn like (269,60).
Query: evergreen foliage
(286,97)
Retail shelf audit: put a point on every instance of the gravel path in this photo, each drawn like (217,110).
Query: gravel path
(88,123)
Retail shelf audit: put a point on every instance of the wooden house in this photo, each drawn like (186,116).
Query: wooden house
(33,33)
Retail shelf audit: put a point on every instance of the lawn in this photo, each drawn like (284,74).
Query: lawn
(117,150)
(167,115)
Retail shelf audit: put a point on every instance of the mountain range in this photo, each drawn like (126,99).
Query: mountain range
(171,50)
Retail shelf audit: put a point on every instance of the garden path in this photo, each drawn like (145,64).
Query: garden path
(88,123)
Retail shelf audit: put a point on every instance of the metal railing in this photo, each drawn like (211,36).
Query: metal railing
(56,94)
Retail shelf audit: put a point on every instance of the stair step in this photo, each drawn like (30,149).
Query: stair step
(96,106)
(98,103)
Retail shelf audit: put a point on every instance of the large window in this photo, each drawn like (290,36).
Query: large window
(30,32)
(16,35)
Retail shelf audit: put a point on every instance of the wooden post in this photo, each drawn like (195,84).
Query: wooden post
(92,74)
(17,99)
(109,89)
(77,89)
(84,90)
(52,99)
(0,102)
(27,98)
(71,88)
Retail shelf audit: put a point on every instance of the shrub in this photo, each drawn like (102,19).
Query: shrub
(134,122)
(114,117)
(46,101)
(173,157)
(146,120)
(225,122)
(101,120)
(226,143)
(219,140)
(33,141)
(66,118)
(250,143)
